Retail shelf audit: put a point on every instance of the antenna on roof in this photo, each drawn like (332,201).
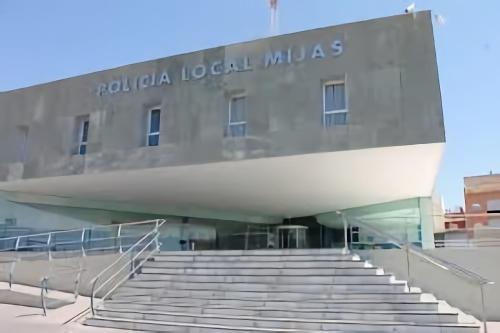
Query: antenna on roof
(273,5)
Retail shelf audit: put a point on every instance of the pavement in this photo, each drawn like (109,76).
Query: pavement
(29,319)
(493,327)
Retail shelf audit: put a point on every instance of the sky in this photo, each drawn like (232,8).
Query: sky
(42,41)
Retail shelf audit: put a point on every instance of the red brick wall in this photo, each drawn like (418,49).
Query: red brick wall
(481,199)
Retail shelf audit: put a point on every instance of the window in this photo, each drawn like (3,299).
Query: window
(334,104)
(153,133)
(22,142)
(83,134)
(237,124)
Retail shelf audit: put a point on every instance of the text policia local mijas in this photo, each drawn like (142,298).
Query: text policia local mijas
(220,67)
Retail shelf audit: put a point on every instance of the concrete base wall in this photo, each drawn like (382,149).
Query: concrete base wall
(61,272)
(445,285)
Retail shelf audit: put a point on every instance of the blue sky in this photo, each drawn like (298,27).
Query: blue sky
(47,40)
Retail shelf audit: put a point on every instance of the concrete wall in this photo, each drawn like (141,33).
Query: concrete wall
(388,65)
(445,285)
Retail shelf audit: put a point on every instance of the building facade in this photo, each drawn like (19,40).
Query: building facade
(236,139)
(482,200)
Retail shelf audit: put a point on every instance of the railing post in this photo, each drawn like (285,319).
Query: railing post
(132,264)
(483,309)
(83,242)
(44,287)
(407,248)
(13,265)
(119,234)
(157,243)
(77,283)
(345,250)
(92,296)
(11,273)
(49,238)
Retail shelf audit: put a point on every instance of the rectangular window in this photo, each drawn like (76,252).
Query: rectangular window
(153,133)
(237,124)
(334,104)
(22,142)
(83,134)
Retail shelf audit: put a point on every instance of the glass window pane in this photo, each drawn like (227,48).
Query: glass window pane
(154,125)
(237,110)
(329,97)
(335,119)
(82,149)
(339,97)
(335,97)
(85,130)
(238,130)
(153,140)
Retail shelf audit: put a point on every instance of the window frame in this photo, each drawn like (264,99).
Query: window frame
(148,126)
(236,123)
(325,112)
(83,143)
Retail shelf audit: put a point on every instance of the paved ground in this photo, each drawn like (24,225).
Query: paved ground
(21,319)
(493,327)
(24,319)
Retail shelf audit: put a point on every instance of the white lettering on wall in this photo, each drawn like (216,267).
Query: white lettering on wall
(199,71)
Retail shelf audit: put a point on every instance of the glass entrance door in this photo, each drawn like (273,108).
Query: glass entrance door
(292,236)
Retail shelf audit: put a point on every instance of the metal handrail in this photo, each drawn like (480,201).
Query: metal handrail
(456,269)
(77,230)
(129,263)
(49,245)
(391,239)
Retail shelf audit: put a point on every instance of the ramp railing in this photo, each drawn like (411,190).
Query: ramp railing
(385,240)
(125,266)
(60,256)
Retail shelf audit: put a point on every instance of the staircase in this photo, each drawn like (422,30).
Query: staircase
(318,290)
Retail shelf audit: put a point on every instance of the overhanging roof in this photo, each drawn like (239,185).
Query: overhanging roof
(291,186)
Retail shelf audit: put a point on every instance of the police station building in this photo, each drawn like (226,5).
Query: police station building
(236,145)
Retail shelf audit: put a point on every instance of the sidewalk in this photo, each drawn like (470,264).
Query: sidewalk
(22,319)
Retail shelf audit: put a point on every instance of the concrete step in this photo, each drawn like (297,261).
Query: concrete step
(270,279)
(253,258)
(217,321)
(286,303)
(261,271)
(291,296)
(155,326)
(259,265)
(271,312)
(155,287)
(261,252)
